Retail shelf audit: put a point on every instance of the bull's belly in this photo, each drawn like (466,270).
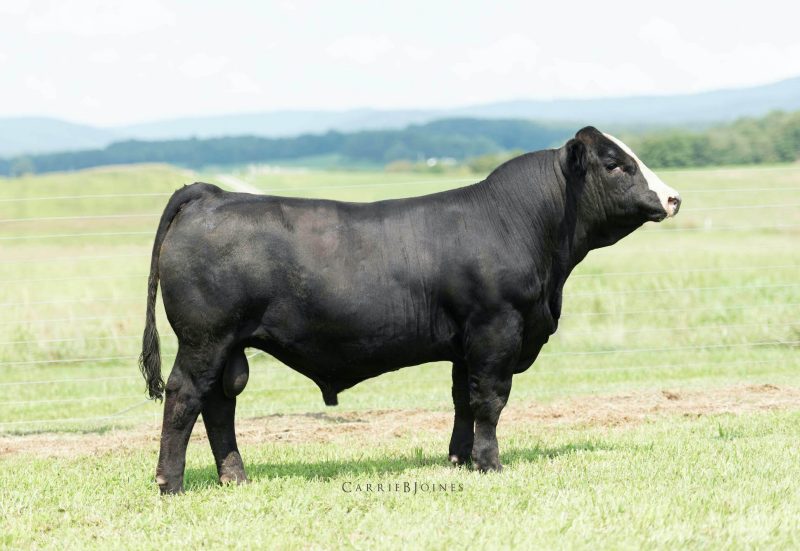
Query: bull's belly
(336,352)
(344,352)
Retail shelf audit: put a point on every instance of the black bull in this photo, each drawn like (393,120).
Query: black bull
(342,292)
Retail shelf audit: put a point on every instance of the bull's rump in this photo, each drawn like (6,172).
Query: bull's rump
(360,286)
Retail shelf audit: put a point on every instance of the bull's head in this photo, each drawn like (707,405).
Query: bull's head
(613,189)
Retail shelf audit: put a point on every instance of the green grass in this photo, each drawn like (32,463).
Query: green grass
(669,483)
(716,306)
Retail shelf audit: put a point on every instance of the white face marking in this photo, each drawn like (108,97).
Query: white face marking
(664,192)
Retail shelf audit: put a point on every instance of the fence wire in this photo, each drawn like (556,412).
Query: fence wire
(122,415)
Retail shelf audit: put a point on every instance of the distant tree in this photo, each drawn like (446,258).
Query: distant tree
(484,164)
(400,166)
(21,166)
(773,138)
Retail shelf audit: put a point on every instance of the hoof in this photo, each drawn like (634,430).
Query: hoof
(167,488)
(460,451)
(233,478)
(486,460)
(232,470)
(488,467)
(458,460)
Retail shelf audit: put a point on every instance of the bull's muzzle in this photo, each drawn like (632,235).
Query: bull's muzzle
(673,205)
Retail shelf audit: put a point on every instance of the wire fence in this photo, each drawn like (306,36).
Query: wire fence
(93,275)
(163,334)
(143,276)
(543,354)
(72,258)
(567,315)
(158,214)
(138,298)
(309,387)
(648,232)
(426,379)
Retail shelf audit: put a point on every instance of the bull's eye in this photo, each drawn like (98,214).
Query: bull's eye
(612,166)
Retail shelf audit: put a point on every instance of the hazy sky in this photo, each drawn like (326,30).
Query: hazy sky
(112,62)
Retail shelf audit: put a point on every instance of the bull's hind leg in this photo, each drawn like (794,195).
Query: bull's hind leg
(219,411)
(464,422)
(186,389)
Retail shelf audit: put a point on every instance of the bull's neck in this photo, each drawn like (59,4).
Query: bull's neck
(573,235)
(542,209)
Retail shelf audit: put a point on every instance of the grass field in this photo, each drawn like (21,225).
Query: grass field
(700,304)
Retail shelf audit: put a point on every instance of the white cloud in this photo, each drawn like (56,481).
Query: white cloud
(42,87)
(695,66)
(136,57)
(148,57)
(201,65)
(417,53)
(584,79)
(104,56)
(287,6)
(91,102)
(362,49)
(98,18)
(511,54)
(242,84)
(14,8)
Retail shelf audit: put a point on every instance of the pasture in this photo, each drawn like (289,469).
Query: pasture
(665,411)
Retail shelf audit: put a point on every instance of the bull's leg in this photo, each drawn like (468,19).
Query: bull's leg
(493,349)
(464,422)
(218,416)
(185,390)
(488,396)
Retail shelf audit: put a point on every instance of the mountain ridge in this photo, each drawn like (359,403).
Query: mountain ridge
(22,135)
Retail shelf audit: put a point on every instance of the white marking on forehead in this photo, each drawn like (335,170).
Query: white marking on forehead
(624,147)
(655,183)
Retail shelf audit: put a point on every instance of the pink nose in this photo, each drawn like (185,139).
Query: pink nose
(674,204)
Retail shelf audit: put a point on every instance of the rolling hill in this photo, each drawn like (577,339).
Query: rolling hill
(39,135)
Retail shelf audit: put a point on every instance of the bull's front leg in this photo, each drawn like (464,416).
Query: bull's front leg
(492,351)
(464,422)
(488,396)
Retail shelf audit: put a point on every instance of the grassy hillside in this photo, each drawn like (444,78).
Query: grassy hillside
(677,315)
(717,279)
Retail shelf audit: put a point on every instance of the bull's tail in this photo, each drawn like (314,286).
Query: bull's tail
(150,360)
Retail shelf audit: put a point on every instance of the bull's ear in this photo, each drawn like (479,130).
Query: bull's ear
(576,161)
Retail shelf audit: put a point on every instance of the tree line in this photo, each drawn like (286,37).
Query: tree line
(773,138)
(456,138)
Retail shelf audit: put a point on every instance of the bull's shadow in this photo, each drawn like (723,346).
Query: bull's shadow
(321,471)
